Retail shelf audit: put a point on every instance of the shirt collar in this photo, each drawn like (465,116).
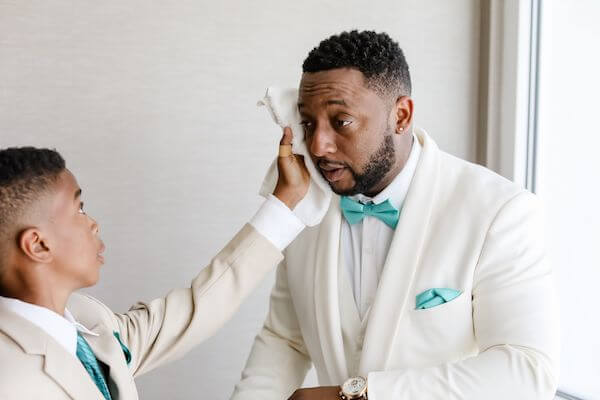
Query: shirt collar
(63,329)
(69,317)
(396,191)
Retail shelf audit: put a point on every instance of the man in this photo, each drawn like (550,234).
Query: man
(425,280)
(49,247)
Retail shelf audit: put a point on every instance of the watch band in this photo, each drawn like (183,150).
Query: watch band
(350,391)
(362,397)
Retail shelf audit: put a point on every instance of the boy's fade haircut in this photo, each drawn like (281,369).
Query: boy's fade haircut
(25,174)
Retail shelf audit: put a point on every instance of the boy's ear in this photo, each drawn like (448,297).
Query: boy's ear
(35,246)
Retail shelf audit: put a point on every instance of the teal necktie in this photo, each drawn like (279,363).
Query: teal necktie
(89,361)
(354,211)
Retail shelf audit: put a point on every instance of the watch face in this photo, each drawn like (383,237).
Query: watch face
(354,386)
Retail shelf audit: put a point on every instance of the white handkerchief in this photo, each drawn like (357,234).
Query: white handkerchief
(282,105)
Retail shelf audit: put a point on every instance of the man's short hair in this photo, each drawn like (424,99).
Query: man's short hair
(25,173)
(376,55)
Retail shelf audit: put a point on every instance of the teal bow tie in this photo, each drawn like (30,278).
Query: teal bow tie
(354,211)
(89,361)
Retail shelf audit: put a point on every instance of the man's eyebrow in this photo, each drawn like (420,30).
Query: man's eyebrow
(77,194)
(339,102)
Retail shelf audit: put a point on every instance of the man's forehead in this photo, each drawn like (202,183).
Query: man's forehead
(334,87)
(341,77)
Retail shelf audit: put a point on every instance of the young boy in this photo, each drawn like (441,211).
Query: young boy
(55,344)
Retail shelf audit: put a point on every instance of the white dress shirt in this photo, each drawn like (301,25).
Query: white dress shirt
(276,222)
(365,244)
(63,328)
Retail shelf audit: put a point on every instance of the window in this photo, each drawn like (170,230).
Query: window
(540,83)
(567,177)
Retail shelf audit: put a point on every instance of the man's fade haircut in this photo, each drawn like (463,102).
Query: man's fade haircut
(376,55)
(25,173)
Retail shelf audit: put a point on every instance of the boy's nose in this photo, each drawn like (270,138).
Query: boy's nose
(95,227)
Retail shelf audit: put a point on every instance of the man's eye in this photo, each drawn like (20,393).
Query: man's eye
(342,123)
(307,126)
(81,208)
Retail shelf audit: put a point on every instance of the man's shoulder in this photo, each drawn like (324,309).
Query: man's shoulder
(473,184)
(474,173)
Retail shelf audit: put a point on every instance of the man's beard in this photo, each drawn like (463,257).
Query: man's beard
(379,164)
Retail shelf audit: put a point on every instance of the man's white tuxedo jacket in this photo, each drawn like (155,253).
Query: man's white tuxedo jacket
(461,227)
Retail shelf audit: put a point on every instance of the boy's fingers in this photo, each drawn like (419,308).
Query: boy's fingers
(285,145)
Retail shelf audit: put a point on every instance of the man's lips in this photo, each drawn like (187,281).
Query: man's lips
(334,175)
(329,165)
(331,171)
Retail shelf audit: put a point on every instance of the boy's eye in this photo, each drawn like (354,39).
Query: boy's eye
(81,208)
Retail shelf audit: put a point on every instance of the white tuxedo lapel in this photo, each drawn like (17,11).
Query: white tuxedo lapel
(64,368)
(327,310)
(392,296)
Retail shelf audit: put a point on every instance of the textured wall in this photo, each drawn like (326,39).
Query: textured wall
(153,104)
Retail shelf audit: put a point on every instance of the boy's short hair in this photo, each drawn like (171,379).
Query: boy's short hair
(25,173)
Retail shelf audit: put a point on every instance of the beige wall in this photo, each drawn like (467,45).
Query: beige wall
(153,106)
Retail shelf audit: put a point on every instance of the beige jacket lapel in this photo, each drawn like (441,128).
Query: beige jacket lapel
(327,310)
(108,350)
(65,369)
(393,294)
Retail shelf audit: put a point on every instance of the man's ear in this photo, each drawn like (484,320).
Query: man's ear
(404,113)
(34,245)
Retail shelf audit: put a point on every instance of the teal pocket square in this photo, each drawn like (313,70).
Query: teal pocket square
(435,297)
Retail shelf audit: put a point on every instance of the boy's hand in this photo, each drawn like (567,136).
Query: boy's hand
(294,178)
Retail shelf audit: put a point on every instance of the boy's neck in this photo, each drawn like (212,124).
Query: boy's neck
(55,304)
(54,300)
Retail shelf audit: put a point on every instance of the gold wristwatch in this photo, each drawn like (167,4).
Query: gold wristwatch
(354,388)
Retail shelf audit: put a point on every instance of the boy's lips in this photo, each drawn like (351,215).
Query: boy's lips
(100,251)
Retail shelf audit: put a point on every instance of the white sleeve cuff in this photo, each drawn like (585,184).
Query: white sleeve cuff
(276,222)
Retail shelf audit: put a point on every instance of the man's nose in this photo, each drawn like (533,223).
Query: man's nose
(323,141)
